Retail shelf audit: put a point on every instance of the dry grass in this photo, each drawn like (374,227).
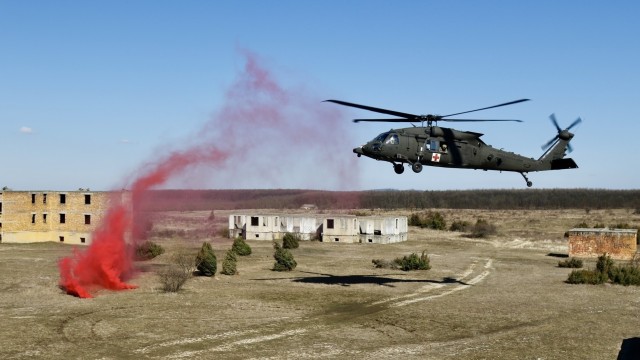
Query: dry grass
(496,298)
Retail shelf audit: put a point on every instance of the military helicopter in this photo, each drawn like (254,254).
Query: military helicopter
(434,145)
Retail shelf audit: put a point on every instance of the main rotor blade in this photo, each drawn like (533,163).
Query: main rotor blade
(385,120)
(375,109)
(489,107)
(477,120)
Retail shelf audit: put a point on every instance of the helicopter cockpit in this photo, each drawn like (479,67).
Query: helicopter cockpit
(387,138)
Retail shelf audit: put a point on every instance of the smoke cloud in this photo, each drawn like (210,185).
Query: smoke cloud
(263,134)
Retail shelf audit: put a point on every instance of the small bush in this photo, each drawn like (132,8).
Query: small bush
(383,264)
(413,262)
(604,265)
(291,241)
(625,275)
(148,250)
(206,261)
(431,220)
(229,263)
(284,259)
(240,247)
(584,277)
(461,226)
(570,263)
(599,226)
(172,279)
(582,225)
(483,229)
(176,274)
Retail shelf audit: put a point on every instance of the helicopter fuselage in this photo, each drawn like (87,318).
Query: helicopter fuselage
(445,147)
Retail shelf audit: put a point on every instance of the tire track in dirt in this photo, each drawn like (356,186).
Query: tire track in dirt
(230,341)
(437,290)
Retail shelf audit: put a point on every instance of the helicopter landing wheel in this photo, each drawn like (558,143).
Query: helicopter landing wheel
(529,183)
(398,168)
(416,167)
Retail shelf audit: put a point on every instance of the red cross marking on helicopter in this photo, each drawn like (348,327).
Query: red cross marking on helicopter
(435,157)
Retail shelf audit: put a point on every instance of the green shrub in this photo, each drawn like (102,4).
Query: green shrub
(148,250)
(291,241)
(461,226)
(570,263)
(229,263)
(206,261)
(584,277)
(606,270)
(625,275)
(413,262)
(240,247)
(284,259)
(604,265)
(431,220)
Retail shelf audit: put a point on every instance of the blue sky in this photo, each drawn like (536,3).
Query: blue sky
(89,91)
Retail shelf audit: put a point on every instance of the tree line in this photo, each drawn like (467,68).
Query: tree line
(185,200)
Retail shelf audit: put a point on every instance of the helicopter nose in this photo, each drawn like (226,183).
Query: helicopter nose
(358,151)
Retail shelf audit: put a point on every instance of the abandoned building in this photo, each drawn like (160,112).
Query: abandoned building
(60,216)
(326,228)
(620,244)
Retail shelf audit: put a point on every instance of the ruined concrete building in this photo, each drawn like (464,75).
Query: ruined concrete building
(60,216)
(620,244)
(325,228)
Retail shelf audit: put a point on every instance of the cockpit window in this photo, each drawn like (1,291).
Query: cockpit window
(392,139)
(381,137)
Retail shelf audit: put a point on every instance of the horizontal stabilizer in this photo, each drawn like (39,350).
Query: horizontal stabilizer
(567,163)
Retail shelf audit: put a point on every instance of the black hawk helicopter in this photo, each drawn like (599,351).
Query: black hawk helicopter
(434,145)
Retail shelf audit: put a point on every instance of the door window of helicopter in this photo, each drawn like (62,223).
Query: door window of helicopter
(434,145)
(392,140)
(443,148)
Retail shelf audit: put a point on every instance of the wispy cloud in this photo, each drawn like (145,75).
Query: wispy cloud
(26,130)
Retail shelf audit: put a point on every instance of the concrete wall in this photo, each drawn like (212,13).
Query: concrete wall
(620,244)
(60,216)
(327,228)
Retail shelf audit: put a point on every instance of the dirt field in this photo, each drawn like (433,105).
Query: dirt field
(496,298)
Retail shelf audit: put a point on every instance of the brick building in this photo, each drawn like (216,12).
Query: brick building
(61,216)
(620,244)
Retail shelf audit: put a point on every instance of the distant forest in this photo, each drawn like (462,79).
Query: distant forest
(391,199)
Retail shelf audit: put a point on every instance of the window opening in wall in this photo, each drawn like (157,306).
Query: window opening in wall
(63,198)
(255,221)
(61,238)
(0,207)
(63,218)
(82,240)
(44,198)
(33,198)
(370,240)
(44,218)
(33,218)
(329,223)
(87,219)
(337,239)
(87,199)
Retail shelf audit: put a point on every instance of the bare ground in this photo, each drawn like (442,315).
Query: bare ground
(496,298)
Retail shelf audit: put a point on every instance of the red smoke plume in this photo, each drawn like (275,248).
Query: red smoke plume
(280,137)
